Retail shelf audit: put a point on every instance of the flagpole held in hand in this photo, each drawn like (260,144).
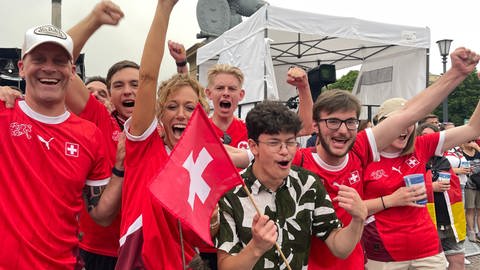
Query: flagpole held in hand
(180,232)
(258,212)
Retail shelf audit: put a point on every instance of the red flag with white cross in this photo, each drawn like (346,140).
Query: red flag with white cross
(197,174)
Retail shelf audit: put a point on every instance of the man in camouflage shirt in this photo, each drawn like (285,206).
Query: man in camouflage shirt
(293,202)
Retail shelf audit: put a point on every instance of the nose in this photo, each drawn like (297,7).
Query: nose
(283,148)
(181,114)
(343,127)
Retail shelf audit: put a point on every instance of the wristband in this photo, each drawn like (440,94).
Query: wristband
(181,64)
(117,172)
(383,203)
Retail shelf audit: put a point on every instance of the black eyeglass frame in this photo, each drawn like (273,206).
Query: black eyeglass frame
(348,123)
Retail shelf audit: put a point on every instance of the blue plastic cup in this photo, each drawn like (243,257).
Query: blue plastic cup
(416,179)
(444,176)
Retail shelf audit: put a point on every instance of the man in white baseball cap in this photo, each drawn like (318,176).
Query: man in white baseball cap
(51,160)
(46,33)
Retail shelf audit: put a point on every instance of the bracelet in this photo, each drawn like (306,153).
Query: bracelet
(383,203)
(117,172)
(181,64)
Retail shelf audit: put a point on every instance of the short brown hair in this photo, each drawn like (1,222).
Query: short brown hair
(224,68)
(335,100)
(117,67)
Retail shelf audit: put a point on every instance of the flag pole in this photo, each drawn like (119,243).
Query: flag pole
(259,213)
(181,243)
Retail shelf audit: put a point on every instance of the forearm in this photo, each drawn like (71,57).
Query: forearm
(144,110)
(305,110)
(376,205)
(109,204)
(81,32)
(182,69)
(239,157)
(341,242)
(245,259)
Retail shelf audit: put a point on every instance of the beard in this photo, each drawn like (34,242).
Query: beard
(326,147)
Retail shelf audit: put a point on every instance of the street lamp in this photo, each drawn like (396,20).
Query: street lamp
(444,47)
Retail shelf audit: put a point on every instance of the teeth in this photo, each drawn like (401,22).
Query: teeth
(49,80)
(179,126)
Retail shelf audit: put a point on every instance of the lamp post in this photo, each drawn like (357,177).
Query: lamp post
(444,47)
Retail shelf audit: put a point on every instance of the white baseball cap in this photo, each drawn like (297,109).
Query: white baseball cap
(46,33)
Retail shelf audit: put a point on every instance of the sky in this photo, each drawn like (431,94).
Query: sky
(455,20)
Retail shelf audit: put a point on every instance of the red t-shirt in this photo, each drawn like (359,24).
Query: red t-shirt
(400,233)
(95,238)
(149,234)
(46,163)
(237,131)
(348,173)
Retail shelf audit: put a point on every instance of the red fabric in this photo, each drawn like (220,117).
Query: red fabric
(405,232)
(95,238)
(200,171)
(350,173)
(237,131)
(45,162)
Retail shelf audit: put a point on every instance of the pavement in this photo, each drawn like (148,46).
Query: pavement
(472,253)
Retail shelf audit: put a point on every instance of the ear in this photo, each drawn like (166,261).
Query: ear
(208,93)
(253,147)
(74,71)
(242,94)
(20,66)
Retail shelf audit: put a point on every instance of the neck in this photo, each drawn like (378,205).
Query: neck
(45,108)
(329,158)
(266,180)
(222,122)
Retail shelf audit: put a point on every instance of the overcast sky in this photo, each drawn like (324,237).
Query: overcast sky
(457,20)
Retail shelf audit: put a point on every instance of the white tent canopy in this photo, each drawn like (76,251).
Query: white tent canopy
(265,45)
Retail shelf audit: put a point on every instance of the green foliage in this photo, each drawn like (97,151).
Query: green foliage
(346,82)
(462,101)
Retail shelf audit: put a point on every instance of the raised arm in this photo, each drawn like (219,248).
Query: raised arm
(298,78)
(144,110)
(463,63)
(462,134)
(178,53)
(105,12)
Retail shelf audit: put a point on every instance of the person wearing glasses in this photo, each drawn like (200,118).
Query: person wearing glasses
(292,202)
(342,153)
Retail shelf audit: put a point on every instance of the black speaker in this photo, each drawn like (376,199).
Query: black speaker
(320,76)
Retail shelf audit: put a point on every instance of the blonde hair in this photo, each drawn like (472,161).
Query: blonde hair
(176,82)
(224,68)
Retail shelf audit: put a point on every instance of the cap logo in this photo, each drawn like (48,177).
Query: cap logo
(49,30)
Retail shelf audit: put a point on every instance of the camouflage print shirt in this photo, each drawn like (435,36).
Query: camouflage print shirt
(300,208)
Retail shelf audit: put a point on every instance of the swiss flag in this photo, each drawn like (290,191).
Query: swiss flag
(197,174)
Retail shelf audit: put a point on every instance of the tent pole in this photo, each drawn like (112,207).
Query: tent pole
(265,68)
(428,67)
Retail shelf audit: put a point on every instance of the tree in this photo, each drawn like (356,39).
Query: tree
(346,82)
(462,101)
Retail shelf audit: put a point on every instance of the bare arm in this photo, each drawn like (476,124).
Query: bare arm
(105,12)
(264,236)
(104,202)
(298,78)
(462,134)
(463,63)
(144,110)
(178,53)
(341,242)
(403,196)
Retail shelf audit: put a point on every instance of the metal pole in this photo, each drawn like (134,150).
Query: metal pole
(445,101)
(57,13)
